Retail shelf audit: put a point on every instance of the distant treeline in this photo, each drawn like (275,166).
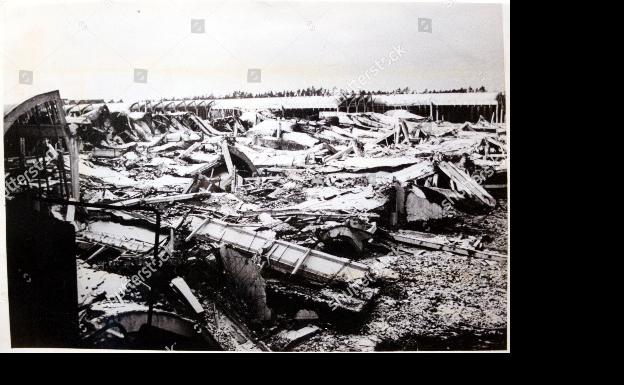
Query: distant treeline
(312,91)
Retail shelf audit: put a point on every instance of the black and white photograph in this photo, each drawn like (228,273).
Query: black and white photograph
(255,176)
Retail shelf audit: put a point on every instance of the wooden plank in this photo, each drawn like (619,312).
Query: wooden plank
(182,288)
(108,152)
(97,252)
(197,229)
(300,262)
(201,125)
(356,149)
(414,172)
(196,169)
(162,199)
(339,154)
(189,150)
(72,140)
(465,183)
(405,131)
(495,142)
(327,215)
(227,157)
(432,245)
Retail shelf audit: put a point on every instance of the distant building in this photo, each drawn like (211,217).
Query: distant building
(452,107)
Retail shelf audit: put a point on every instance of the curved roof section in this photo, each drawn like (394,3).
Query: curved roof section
(12,114)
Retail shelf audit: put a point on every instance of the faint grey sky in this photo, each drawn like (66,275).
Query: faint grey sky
(90,49)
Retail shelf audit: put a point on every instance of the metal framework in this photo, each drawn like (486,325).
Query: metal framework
(51,104)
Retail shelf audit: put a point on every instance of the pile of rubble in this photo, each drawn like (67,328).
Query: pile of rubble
(359,231)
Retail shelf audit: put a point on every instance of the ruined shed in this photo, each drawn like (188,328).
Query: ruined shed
(34,129)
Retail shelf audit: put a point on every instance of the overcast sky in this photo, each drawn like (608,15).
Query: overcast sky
(90,49)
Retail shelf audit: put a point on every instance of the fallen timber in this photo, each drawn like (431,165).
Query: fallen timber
(286,257)
(307,215)
(464,183)
(423,242)
(162,199)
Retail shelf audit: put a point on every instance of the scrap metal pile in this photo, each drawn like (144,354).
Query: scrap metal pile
(360,231)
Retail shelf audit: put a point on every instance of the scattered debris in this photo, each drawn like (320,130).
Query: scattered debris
(269,224)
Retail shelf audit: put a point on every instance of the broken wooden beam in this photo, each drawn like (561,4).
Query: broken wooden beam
(162,199)
(306,215)
(189,150)
(108,152)
(433,245)
(228,159)
(405,131)
(180,287)
(339,154)
(196,169)
(97,252)
(356,148)
(417,171)
(464,183)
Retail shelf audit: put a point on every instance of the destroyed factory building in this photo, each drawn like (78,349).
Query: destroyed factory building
(351,223)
